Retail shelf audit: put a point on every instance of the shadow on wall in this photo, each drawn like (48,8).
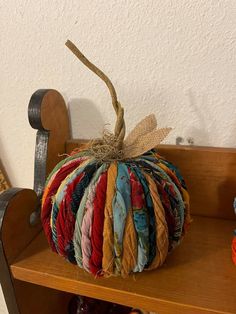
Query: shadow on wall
(199,134)
(85,119)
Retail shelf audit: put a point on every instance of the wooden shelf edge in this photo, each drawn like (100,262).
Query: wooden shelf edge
(178,287)
(109,294)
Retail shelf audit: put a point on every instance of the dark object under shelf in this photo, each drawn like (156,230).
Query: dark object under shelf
(86,305)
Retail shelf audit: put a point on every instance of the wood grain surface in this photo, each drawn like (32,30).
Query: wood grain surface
(198,277)
(35,299)
(16,232)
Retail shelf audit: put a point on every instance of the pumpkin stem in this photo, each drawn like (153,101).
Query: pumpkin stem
(120,123)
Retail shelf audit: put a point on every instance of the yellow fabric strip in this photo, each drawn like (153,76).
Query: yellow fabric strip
(108,235)
(130,247)
(162,241)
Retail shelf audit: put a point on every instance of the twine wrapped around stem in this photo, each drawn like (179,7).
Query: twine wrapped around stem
(110,147)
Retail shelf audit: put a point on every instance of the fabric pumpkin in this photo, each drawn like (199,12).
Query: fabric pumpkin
(115,218)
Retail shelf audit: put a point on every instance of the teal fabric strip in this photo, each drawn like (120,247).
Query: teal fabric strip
(150,215)
(121,204)
(141,221)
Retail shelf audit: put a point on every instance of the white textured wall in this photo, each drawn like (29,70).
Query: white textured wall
(174,58)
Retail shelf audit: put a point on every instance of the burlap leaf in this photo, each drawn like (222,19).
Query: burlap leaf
(145,126)
(145,143)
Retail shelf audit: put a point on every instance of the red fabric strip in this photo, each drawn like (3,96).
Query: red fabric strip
(47,206)
(95,262)
(65,223)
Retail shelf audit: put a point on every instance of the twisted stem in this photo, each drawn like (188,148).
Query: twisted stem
(119,130)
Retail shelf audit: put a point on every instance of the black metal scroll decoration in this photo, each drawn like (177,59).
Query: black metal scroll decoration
(47,114)
(41,147)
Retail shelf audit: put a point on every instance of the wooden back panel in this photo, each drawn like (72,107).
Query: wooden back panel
(16,206)
(209,172)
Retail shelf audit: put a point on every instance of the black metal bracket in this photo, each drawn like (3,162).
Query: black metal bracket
(42,137)
(39,101)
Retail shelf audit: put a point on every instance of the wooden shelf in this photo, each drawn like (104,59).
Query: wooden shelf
(198,277)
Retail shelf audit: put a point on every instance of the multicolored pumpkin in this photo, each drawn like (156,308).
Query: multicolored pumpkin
(115,215)
(115,218)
